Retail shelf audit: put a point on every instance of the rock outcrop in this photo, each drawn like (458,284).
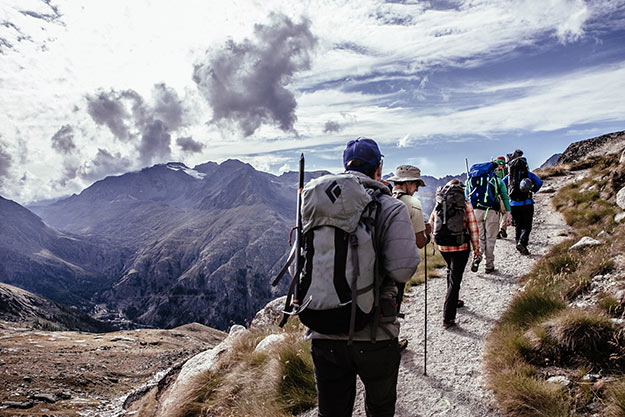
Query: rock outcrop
(601,145)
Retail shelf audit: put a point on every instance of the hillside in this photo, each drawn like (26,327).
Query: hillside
(62,266)
(200,244)
(63,373)
(27,309)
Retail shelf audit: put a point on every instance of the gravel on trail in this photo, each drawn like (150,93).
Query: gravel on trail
(454,385)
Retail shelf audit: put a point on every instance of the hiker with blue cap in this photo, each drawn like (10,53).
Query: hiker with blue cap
(372,352)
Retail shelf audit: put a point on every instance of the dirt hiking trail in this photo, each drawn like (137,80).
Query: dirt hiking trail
(454,385)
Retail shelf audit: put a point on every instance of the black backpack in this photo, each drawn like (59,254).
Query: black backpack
(450,212)
(517,171)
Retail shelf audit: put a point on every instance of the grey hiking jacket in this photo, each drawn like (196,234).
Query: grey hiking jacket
(397,253)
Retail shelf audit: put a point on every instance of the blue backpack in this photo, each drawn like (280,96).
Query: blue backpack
(483,187)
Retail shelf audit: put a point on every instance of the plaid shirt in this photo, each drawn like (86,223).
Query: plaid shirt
(471,222)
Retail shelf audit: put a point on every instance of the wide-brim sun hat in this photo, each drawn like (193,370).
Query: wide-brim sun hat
(405,173)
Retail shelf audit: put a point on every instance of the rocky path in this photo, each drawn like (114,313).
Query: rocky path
(454,382)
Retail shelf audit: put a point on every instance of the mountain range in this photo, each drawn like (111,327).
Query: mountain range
(166,245)
(188,245)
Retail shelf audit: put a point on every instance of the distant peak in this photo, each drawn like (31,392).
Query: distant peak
(176,166)
(179,166)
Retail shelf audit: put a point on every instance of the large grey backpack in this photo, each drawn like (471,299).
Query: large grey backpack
(338,285)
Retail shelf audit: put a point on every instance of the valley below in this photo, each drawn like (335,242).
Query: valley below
(68,373)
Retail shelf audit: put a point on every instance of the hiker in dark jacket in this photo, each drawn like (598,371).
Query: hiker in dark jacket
(522,188)
(456,258)
(336,363)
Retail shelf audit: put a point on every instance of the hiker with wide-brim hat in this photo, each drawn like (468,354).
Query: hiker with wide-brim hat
(407,180)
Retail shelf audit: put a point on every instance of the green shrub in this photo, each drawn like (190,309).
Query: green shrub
(585,337)
(297,387)
(610,305)
(532,305)
(527,396)
(615,400)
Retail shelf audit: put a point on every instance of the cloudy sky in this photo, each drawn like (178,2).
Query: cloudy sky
(98,88)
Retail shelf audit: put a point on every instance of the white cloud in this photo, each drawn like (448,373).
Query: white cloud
(124,45)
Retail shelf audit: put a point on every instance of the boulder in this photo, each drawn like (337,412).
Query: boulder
(17,404)
(603,234)
(585,242)
(622,160)
(236,329)
(207,361)
(618,217)
(560,379)
(620,198)
(270,315)
(269,342)
(177,393)
(48,398)
(617,178)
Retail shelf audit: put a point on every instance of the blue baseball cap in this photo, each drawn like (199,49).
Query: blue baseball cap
(363,149)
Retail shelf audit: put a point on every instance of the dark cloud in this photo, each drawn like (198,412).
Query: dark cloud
(48,17)
(332,126)
(104,163)
(245,83)
(107,109)
(63,140)
(148,125)
(70,171)
(155,143)
(167,106)
(189,145)
(5,163)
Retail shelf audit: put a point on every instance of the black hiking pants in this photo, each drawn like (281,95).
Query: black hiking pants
(456,262)
(336,365)
(523,217)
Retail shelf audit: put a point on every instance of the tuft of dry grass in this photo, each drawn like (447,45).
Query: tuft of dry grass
(275,382)
(557,170)
(584,337)
(615,400)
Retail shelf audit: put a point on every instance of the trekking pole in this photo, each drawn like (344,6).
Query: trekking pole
(425,322)
(298,232)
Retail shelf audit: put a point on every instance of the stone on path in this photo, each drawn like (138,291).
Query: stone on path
(585,242)
(620,198)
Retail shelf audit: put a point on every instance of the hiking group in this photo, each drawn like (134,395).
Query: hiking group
(357,245)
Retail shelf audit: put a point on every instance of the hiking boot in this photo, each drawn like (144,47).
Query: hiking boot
(460,304)
(522,248)
(499,235)
(475,264)
(503,234)
(449,324)
(489,270)
(403,344)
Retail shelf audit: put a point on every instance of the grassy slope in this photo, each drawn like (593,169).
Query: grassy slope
(545,332)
